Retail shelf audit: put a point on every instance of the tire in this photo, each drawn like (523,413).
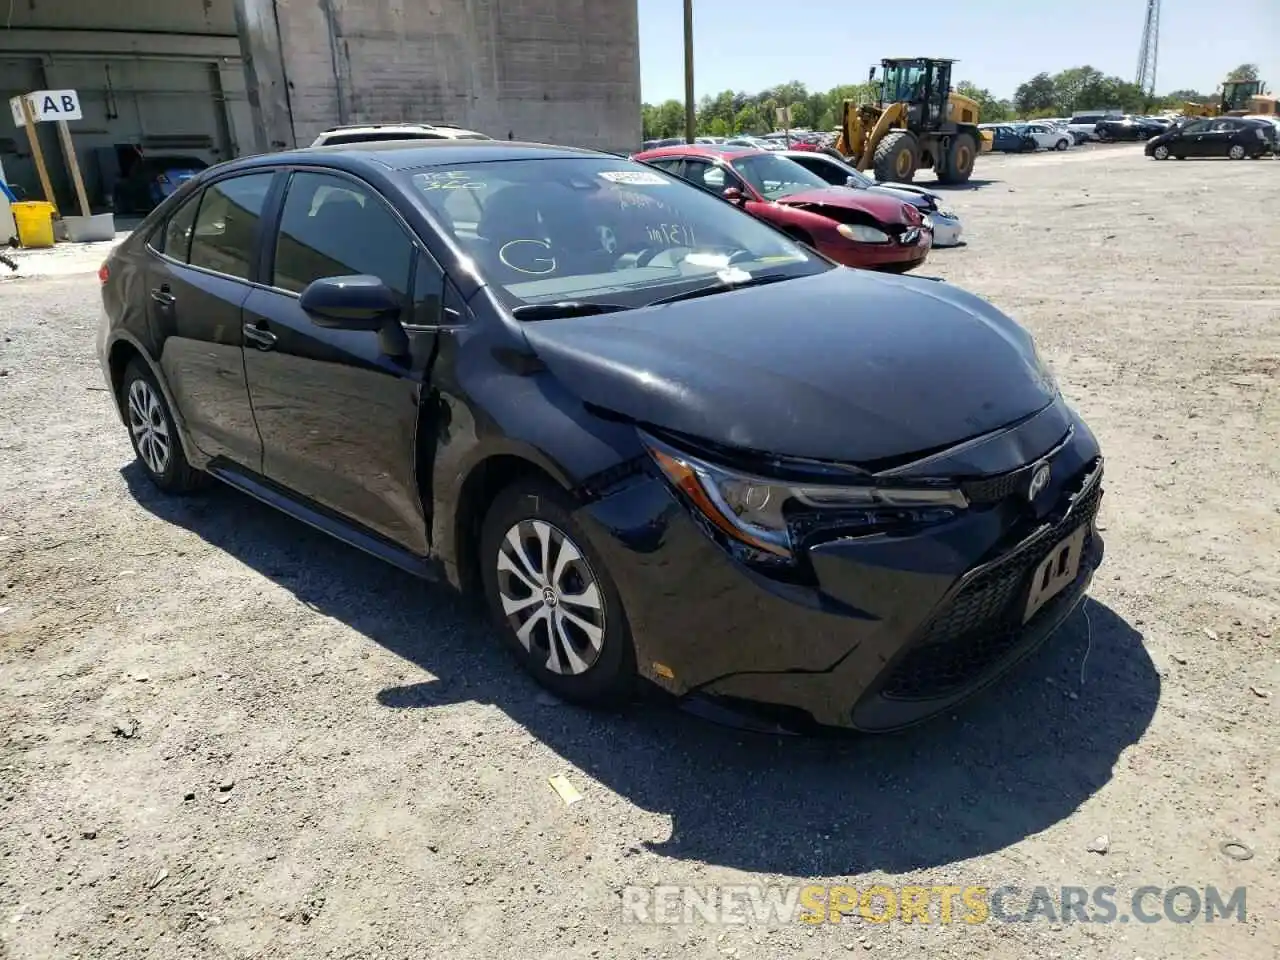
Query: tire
(1062,144)
(1237,152)
(957,165)
(154,435)
(1161,152)
(897,156)
(588,660)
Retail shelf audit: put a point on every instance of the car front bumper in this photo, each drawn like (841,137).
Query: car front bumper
(887,630)
(946,230)
(872,256)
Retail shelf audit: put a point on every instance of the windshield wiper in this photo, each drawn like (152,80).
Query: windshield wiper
(721,286)
(564,308)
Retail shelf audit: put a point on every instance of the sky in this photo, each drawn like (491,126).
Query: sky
(748,45)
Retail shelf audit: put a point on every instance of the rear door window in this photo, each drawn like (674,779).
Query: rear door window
(226,227)
(174,238)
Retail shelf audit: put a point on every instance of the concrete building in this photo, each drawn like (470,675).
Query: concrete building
(216,79)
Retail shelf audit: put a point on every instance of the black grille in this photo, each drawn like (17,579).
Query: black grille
(993,489)
(982,622)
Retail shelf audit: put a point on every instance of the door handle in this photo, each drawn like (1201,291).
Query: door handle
(162,296)
(259,337)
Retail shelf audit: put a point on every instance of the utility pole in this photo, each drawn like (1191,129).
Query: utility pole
(690,115)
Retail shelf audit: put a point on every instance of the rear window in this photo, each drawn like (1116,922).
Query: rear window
(380,136)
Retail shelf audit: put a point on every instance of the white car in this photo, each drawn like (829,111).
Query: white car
(1048,136)
(370,132)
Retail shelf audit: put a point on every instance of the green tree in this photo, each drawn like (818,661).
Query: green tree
(718,128)
(1246,71)
(990,108)
(748,120)
(664,120)
(1077,89)
(1038,93)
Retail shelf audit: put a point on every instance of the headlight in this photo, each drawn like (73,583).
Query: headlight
(926,221)
(762,513)
(862,234)
(945,214)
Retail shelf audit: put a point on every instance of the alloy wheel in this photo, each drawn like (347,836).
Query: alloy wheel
(149,427)
(551,597)
(1161,152)
(1236,152)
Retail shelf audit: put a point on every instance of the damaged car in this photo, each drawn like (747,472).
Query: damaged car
(665,442)
(854,227)
(838,172)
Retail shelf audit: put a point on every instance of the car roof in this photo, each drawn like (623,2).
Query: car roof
(711,151)
(413,154)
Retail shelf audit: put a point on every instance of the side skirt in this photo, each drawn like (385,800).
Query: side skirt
(324,520)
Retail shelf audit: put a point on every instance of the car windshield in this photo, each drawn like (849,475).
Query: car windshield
(600,230)
(775,177)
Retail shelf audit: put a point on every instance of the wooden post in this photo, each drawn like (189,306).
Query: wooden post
(69,150)
(33,138)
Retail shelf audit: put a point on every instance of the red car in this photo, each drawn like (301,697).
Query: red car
(853,227)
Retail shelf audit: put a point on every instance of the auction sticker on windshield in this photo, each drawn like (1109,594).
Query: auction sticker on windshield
(635,178)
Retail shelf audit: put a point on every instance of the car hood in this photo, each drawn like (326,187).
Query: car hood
(846,365)
(917,198)
(884,208)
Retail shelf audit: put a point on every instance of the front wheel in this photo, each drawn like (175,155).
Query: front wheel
(1161,152)
(553,599)
(1062,144)
(897,156)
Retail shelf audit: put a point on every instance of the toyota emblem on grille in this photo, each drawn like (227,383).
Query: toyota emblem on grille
(1039,480)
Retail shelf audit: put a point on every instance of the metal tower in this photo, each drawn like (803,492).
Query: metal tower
(1148,53)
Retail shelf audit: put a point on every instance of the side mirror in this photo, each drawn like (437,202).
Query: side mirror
(350,303)
(733,195)
(850,182)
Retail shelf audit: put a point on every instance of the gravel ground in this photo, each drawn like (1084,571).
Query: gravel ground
(222,735)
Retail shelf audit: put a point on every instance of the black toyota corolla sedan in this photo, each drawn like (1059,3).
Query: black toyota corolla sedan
(663,441)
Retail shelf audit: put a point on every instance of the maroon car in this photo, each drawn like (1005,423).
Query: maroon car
(853,227)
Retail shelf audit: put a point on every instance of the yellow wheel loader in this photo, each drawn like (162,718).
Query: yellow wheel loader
(916,123)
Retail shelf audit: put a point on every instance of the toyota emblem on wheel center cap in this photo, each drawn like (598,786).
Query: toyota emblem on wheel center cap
(1039,480)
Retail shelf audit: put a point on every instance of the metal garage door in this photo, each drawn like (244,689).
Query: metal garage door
(161,106)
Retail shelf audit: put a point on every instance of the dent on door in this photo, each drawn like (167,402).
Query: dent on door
(338,417)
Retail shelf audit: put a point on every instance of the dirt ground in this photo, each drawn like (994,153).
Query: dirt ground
(223,735)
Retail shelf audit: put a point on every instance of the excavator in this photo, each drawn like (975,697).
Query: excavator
(916,123)
(1238,98)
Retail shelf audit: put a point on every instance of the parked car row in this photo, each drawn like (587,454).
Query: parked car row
(621,408)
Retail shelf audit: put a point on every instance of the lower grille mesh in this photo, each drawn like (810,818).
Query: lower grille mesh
(982,622)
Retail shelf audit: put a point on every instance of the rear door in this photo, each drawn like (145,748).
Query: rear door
(338,409)
(199,277)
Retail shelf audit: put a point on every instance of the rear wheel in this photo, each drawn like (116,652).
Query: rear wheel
(552,598)
(154,434)
(897,156)
(957,164)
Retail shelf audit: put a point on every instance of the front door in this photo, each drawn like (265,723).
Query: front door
(198,279)
(338,409)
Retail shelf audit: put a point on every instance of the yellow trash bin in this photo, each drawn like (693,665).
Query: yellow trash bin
(34,219)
